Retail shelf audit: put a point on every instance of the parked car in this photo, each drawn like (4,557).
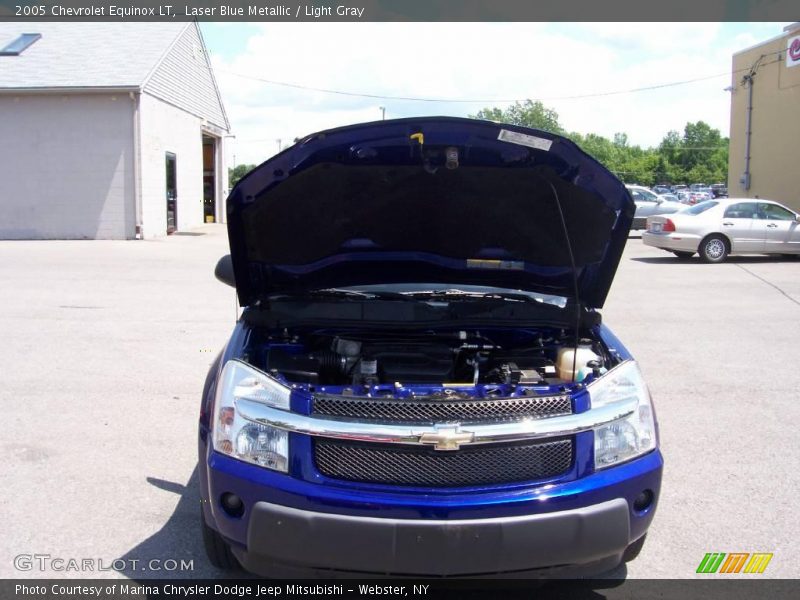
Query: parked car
(662,189)
(649,203)
(698,196)
(685,197)
(718,228)
(719,190)
(676,189)
(420,382)
(696,187)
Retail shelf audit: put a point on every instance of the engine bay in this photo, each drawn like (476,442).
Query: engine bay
(449,363)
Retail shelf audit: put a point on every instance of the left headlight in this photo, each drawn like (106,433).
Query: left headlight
(237,437)
(631,436)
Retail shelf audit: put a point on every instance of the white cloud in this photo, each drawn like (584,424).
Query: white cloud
(491,61)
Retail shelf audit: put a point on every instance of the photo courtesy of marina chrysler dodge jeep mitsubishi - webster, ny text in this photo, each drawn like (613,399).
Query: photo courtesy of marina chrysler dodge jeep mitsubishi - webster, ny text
(420,383)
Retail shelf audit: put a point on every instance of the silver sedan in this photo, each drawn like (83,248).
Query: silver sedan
(649,203)
(716,228)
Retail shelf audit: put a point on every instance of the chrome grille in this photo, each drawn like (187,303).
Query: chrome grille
(423,466)
(417,410)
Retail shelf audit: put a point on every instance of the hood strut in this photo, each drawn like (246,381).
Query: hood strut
(574,272)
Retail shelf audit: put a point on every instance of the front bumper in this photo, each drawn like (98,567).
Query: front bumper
(294,528)
(282,539)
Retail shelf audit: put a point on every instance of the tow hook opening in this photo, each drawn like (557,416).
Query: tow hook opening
(643,501)
(232,505)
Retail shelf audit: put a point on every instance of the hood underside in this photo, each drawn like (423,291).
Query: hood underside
(445,200)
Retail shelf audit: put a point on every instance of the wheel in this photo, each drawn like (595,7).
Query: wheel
(632,551)
(683,255)
(714,249)
(217,549)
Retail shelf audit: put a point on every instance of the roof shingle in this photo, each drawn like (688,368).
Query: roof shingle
(85,55)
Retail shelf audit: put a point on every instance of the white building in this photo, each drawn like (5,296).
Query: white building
(108,131)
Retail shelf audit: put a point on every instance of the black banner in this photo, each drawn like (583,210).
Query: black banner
(399,10)
(348,589)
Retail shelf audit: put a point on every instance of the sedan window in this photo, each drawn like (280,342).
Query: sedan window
(773,212)
(648,195)
(742,210)
(641,195)
(699,208)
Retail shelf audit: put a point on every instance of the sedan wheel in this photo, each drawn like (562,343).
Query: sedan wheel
(714,249)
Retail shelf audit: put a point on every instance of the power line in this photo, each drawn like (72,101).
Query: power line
(687,148)
(462,100)
(487,100)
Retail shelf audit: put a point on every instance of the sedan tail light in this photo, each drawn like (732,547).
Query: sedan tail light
(668,225)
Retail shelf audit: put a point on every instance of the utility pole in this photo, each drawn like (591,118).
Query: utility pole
(383,112)
(279,144)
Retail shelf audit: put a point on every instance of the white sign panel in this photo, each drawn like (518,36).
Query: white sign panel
(793,51)
(523,139)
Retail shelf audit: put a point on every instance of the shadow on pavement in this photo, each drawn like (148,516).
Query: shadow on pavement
(179,539)
(695,260)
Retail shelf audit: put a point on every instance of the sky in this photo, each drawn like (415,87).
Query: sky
(493,63)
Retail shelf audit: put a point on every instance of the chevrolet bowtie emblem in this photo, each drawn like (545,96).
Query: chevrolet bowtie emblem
(447,438)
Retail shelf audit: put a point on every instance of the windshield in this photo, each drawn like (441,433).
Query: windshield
(699,208)
(410,289)
(642,194)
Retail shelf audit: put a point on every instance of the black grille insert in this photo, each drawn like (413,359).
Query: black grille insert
(423,466)
(418,410)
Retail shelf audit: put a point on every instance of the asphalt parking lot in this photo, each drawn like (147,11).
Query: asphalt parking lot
(105,346)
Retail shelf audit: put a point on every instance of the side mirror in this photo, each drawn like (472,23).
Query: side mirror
(224,271)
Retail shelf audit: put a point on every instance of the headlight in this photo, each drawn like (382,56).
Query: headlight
(633,435)
(235,436)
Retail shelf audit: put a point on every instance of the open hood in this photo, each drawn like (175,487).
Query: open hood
(429,200)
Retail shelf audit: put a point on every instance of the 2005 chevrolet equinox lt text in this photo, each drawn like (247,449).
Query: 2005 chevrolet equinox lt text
(420,383)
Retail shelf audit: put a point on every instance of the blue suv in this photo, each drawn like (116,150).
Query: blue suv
(420,383)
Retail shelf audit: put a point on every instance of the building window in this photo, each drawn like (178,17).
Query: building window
(19,45)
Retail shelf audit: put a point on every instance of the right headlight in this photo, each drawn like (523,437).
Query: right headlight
(237,437)
(631,436)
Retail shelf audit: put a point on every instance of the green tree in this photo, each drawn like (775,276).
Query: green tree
(527,114)
(699,141)
(596,145)
(670,146)
(239,171)
(700,154)
(661,173)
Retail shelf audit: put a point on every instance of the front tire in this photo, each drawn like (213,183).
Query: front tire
(714,249)
(217,549)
